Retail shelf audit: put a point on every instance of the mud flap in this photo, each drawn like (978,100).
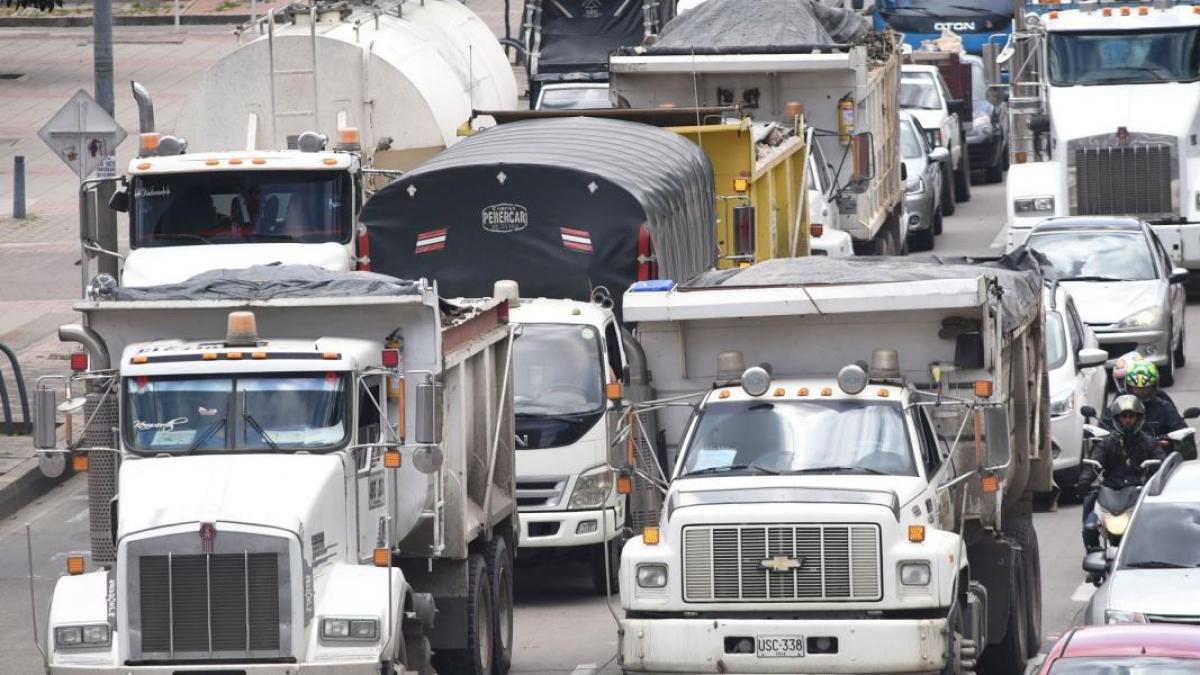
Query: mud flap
(992,562)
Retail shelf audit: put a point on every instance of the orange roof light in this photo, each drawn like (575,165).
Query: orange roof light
(916,533)
(74,564)
(1124,11)
(140,358)
(650,536)
(983,388)
(382,557)
(329,161)
(235,161)
(209,356)
(348,136)
(331,356)
(827,392)
(392,459)
(803,391)
(1107,11)
(989,483)
(234,356)
(1053,15)
(779,391)
(258,160)
(258,356)
(148,143)
(724,394)
(884,393)
(143,166)
(1143,11)
(211,162)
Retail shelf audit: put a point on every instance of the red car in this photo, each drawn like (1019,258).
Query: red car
(1126,649)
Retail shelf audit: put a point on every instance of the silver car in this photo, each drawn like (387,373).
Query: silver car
(923,183)
(1124,285)
(1155,577)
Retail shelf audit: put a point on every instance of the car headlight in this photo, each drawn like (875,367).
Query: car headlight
(1121,616)
(1033,205)
(1151,316)
(78,637)
(349,629)
(1062,406)
(591,489)
(915,574)
(914,185)
(651,576)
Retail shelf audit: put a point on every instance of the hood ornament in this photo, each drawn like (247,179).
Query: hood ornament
(782,564)
(208,536)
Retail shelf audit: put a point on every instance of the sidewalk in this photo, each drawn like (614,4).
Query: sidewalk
(143,13)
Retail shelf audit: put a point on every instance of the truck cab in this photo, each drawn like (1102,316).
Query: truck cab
(567,356)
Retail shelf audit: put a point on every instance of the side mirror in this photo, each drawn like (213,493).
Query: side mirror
(429,413)
(1088,412)
(999,436)
(45,429)
(1095,432)
(119,201)
(1095,563)
(1178,435)
(939,154)
(1180,275)
(1090,357)
(1191,413)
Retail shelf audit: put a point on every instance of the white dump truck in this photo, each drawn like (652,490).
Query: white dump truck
(1104,102)
(300,471)
(858,499)
(275,151)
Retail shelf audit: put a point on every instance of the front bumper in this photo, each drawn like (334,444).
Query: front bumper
(561,529)
(1154,344)
(918,210)
(340,668)
(1068,439)
(892,646)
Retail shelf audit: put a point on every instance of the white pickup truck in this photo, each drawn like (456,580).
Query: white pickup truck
(860,501)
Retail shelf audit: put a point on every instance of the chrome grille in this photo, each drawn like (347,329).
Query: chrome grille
(823,562)
(535,494)
(1133,180)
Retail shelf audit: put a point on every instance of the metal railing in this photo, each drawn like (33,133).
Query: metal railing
(11,426)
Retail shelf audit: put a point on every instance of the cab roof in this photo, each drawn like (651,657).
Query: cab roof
(244,160)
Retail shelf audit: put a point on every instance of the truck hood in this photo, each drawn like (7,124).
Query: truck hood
(1167,108)
(173,264)
(288,492)
(905,488)
(1106,302)
(1169,591)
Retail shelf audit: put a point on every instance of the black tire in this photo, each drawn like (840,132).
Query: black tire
(922,240)
(885,242)
(1180,352)
(596,563)
(948,204)
(937,221)
(476,659)
(1066,480)
(1166,374)
(500,569)
(962,179)
(1010,657)
(995,172)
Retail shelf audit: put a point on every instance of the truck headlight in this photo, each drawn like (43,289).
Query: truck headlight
(350,629)
(76,637)
(914,185)
(1062,406)
(652,576)
(591,489)
(1145,318)
(1121,616)
(915,574)
(1033,206)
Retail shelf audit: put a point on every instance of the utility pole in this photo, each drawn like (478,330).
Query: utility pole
(102,58)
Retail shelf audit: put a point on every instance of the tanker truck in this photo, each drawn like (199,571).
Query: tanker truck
(301,470)
(856,447)
(283,139)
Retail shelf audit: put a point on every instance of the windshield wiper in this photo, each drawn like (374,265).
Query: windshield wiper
(731,467)
(207,434)
(1092,278)
(1155,565)
(835,469)
(261,431)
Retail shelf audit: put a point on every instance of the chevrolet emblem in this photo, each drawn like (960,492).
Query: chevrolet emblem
(782,563)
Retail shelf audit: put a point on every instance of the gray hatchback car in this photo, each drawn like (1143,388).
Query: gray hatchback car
(923,183)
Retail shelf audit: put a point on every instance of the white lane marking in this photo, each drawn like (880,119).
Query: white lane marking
(584,669)
(1083,593)
(83,513)
(998,242)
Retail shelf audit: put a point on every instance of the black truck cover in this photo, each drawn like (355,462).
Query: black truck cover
(578,35)
(556,205)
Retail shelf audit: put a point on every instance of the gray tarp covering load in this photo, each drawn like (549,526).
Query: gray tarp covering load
(726,24)
(557,205)
(269,282)
(1018,276)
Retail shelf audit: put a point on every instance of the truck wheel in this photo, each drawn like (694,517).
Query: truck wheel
(500,568)
(948,205)
(597,566)
(1010,657)
(1022,530)
(476,659)
(962,179)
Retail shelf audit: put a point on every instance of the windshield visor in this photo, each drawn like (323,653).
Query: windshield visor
(182,414)
(798,436)
(1099,256)
(1125,57)
(238,207)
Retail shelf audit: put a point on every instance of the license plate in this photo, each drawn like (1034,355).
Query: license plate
(778,646)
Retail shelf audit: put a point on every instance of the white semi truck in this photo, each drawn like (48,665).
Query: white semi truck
(274,152)
(1104,100)
(859,499)
(303,471)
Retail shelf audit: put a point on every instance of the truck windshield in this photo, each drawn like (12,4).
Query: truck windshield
(574,98)
(277,412)
(559,391)
(237,207)
(919,90)
(800,437)
(1124,57)
(1096,256)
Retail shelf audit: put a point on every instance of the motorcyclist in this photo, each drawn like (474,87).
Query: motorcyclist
(1121,367)
(1162,417)
(1121,454)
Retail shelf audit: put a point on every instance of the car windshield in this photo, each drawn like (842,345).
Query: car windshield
(237,207)
(558,370)
(800,436)
(1124,665)
(910,145)
(919,90)
(1162,534)
(1096,256)
(1056,340)
(1125,57)
(581,98)
(284,412)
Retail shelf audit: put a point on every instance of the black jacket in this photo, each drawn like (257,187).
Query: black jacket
(1122,457)
(1162,417)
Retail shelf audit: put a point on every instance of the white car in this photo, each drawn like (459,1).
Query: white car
(1077,379)
(924,94)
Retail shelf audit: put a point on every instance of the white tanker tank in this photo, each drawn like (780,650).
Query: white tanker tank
(410,72)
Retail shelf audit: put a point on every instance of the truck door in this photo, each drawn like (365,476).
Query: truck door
(826,212)
(369,475)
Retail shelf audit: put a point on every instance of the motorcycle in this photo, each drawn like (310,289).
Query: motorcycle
(1185,446)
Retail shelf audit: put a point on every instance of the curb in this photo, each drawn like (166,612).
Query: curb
(148,20)
(23,485)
